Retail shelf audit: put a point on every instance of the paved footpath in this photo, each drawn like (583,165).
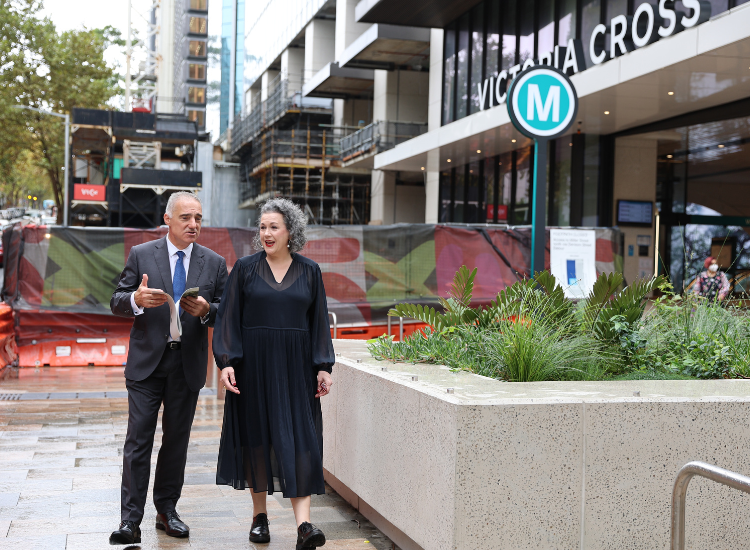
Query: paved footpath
(60,466)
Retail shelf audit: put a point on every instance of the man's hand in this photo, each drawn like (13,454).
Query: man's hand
(324,383)
(197,307)
(227,378)
(149,297)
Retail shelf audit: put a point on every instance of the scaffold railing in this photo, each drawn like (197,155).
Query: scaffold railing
(379,136)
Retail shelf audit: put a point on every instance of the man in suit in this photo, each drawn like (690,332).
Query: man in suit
(160,368)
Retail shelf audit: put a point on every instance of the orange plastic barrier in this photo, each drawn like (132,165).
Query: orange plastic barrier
(368,332)
(8,348)
(71,353)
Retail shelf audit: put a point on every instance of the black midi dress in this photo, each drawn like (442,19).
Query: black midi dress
(277,338)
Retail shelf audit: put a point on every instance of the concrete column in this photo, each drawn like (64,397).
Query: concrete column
(434,119)
(293,68)
(267,83)
(435,108)
(635,179)
(347,29)
(382,197)
(320,40)
(400,96)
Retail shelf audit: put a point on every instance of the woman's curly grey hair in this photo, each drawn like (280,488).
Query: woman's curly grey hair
(294,220)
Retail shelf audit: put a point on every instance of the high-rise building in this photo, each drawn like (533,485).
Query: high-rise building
(183,65)
(232,61)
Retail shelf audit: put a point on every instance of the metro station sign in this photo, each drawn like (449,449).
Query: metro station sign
(83,192)
(626,33)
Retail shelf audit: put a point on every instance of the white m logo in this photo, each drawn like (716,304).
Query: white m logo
(552,103)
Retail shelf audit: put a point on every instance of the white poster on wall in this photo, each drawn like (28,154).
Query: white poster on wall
(572,254)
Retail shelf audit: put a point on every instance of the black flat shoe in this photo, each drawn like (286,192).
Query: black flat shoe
(128,533)
(309,536)
(259,531)
(172,524)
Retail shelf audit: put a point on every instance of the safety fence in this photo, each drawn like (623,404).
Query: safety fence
(59,281)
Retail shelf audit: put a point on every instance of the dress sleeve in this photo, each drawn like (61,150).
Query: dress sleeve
(320,331)
(227,341)
(724,290)
(697,285)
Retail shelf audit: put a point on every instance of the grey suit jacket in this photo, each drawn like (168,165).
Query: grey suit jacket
(148,337)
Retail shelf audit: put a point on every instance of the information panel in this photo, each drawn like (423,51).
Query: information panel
(572,255)
(635,212)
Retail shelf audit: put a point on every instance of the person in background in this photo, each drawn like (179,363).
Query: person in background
(711,284)
(273,345)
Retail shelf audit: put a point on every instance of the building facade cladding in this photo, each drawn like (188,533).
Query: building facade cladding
(232,36)
(271,29)
(482,50)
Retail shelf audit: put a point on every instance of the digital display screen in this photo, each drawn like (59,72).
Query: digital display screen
(635,212)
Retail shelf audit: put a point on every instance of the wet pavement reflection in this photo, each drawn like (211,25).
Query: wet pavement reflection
(60,466)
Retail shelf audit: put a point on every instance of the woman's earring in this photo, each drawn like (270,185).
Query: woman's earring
(288,245)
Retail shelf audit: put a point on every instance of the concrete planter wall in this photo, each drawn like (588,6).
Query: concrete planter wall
(544,465)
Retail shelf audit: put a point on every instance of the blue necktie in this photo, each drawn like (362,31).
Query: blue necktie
(178,283)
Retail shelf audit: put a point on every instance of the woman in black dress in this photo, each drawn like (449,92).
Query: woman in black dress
(273,345)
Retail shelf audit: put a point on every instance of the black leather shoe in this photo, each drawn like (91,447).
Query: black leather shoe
(172,524)
(309,536)
(128,533)
(259,531)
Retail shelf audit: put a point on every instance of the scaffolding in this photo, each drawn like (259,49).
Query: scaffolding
(303,165)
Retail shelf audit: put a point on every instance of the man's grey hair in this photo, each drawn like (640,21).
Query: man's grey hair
(174,197)
(294,220)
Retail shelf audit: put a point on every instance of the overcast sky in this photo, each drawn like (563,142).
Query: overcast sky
(76,14)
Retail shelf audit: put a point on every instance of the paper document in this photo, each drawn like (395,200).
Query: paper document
(175,326)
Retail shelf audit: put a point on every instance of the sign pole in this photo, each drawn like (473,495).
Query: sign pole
(542,104)
(539,208)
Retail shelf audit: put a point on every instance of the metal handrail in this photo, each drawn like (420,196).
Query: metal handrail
(335,324)
(679,493)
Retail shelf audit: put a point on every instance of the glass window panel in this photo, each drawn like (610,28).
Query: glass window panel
(197,116)
(616,7)
(591,181)
(567,26)
(445,197)
(201,5)
(196,95)
(720,6)
(509,34)
(489,189)
(462,69)
(198,25)
(492,47)
(526,32)
(477,55)
(449,81)
(197,71)
(505,177)
(561,177)
(197,48)
(738,2)
(458,195)
(524,180)
(473,204)
(590,16)
(546,40)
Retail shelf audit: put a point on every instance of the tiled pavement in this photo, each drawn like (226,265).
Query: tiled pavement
(60,464)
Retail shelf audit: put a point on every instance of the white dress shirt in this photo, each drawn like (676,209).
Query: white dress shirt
(173,258)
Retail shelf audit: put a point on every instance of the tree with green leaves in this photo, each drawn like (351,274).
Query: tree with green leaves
(52,71)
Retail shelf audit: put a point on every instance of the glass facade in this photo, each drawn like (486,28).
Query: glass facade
(510,32)
(229,80)
(499,189)
(197,48)
(196,95)
(196,71)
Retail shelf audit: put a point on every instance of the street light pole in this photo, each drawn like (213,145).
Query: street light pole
(66,191)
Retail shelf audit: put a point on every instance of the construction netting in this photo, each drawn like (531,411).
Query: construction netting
(59,280)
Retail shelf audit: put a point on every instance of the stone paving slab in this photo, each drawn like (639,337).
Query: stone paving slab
(61,462)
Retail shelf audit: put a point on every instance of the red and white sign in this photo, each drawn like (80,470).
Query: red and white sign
(502,212)
(83,192)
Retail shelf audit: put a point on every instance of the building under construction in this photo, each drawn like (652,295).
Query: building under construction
(125,166)
(288,148)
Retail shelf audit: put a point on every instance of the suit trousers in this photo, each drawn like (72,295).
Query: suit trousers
(166,384)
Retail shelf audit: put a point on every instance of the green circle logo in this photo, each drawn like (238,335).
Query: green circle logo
(543,102)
